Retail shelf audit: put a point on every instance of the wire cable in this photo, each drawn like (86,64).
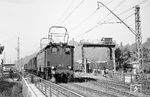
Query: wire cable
(100,23)
(66,10)
(142,2)
(123,1)
(128,16)
(106,3)
(123,12)
(84,20)
(127,10)
(108,22)
(72,11)
(90,15)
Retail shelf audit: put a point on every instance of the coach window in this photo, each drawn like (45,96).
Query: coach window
(67,51)
(54,50)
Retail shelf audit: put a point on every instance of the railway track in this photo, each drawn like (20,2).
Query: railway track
(114,84)
(113,89)
(100,88)
(88,91)
(119,87)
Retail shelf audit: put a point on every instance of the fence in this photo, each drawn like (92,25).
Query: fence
(26,90)
(122,77)
(51,89)
(144,87)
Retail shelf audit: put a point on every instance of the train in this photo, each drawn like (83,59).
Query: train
(54,62)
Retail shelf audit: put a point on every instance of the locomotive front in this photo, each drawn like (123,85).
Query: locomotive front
(59,59)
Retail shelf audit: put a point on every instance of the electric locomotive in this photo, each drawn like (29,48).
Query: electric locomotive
(55,61)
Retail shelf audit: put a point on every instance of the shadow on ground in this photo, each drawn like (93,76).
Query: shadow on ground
(83,79)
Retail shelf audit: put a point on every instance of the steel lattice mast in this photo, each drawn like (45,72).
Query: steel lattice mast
(138,40)
(137,33)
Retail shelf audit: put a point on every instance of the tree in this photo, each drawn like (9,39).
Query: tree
(146,56)
(118,58)
(1,49)
(123,57)
(126,59)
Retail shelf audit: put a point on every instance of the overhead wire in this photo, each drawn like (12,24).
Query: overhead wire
(108,22)
(89,30)
(90,15)
(146,5)
(142,2)
(121,13)
(127,10)
(84,20)
(106,3)
(100,23)
(120,3)
(72,11)
(128,17)
(66,10)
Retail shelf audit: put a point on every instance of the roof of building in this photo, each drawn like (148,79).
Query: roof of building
(9,64)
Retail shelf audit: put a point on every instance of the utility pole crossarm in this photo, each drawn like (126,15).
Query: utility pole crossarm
(118,18)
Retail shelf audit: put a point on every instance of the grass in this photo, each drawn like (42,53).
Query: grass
(10,89)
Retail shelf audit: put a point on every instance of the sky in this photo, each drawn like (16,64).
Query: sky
(31,19)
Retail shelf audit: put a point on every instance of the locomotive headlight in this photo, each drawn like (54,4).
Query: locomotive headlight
(52,67)
(69,67)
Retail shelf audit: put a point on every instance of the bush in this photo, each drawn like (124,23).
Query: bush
(17,90)
(10,89)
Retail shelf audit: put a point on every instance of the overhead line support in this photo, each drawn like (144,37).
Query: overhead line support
(138,39)
(118,18)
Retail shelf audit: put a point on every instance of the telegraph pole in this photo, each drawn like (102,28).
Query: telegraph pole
(18,53)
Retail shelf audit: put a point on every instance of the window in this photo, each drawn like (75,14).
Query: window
(67,51)
(54,50)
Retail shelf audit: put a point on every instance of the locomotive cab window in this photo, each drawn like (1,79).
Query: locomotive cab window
(54,50)
(67,51)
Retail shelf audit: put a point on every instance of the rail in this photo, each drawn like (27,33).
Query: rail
(50,89)
(144,87)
